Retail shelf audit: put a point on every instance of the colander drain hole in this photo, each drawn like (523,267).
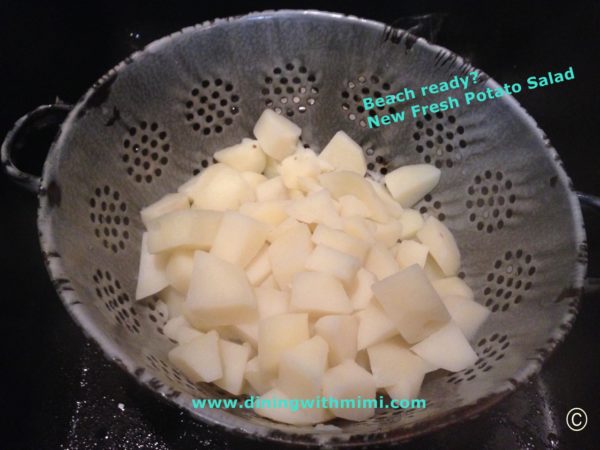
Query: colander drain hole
(490,350)
(211,106)
(145,150)
(117,302)
(437,138)
(108,215)
(289,88)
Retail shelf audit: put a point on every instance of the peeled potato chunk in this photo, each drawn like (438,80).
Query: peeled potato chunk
(294,414)
(151,273)
(260,382)
(180,330)
(276,135)
(303,164)
(344,154)
(373,326)
(381,262)
(360,290)
(340,241)
(442,246)
(317,207)
(167,204)
(351,206)
(411,252)
(467,314)
(288,254)
(411,221)
(277,334)
(349,381)
(174,301)
(199,359)
(327,260)
(272,189)
(453,286)
(245,156)
(319,294)
(412,303)
(393,208)
(271,302)
(233,359)
(408,184)
(259,268)
(341,334)
(272,212)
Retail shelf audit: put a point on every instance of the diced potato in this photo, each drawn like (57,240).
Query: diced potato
(257,379)
(253,179)
(350,183)
(174,301)
(241,332)
(340,241)
(180,330)
(317,207)
(296,194)
(272,189)
(432,270)
(389,233)
(362,359)
(341,334)
(277,334)
(411,302)
(442,246)
(219,293)
(276,135)
(308,185)
(349,381)
(302,367)
(179,270)
(199,359)
(192,229)
(246,156)
(408,184)
(393,364)
(453,286)
(151,273)
(359,228)
(269,282)
(360,291)
(239,238)
(381,262)
(373,326)
(411,221)
(302,164)
(271,213)
(351,206)
(233,359)
(467,314)
(393,207)
(259,268)
(295,414)
(272,169)
(327,260)
(411,252)
(167,204)
(282,228)
(218,187)
(344,154)
(435,349)
(271,302)
(288,254)
(319,294)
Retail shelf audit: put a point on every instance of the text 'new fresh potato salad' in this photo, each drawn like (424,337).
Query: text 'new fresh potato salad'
(290,274)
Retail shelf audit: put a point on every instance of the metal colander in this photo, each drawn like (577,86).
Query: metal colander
(155,120)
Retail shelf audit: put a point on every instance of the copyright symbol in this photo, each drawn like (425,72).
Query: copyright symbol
(576,419)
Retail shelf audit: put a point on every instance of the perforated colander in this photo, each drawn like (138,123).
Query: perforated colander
(155,120)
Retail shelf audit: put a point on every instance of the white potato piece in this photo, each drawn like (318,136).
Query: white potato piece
(246,156)
(349,381)
(259,268)
(308,185)
(393,207)
(180,330)
(442,246)
(381,262)
(340,241)
(467,314)
(389,233)
(218,187)
(432,270)
(239,238)
(277,334)
(362,359)
(192,229)
(393,364)
(327,260)
(174,301)
(319,294)
(167,204)
(447,348)
(341,334)
(282,228)
(359,228)
(317,207)
(302,164)
(271,302)
(360,291)
(253,179)
(373,326)
(233,360)
(151,274)
(344,154)
(296,194)
(256,378)
(408,184)
(272,169)
(453,286)
(351,206)
(288,254)
(241,332)
(411,252)
(276,135)
(275,405)
(271,212)
(412,303)
(272,189)
(179,270)
(411,221)
(302,367)
(219,293)
(199,359)
(269,282)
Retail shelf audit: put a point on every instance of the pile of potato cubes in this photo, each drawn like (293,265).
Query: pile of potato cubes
(292,275)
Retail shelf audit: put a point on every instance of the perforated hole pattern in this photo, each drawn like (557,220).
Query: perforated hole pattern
(290,88)
(490,201)
(116,302)
(109,216)
(364,86)
(490,350)
(145,149)
(437,138)
(212,105)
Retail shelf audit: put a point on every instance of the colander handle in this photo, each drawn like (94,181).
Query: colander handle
(591,203)
(42,117)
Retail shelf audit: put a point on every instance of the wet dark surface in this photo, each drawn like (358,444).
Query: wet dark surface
(58,390)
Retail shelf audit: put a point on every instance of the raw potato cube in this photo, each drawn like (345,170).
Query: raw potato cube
(362,359)
(411,303)
(351,206)
(259,268)
(351,183)
(317,207)
(340,241)
(319,294)
(302,164)
(257,379)
(393,207)
(381,262)
(180,330)
(218,187)
(442,245)
(282,228)
(360,291)
(327,260)
(307,185)
(151,273)
(411,252)
(393,364)
(271,302)
(349,381)
(174,301)
(272,189)
(467,314)
(432,270)
(219,293)
(344,154)
(291,411)
(272,169)
(179,270)
(277,334)
(341,333)
(233,359)
(453,286)
(359,228)
(241,332)
(408,184)
(239,238)
(246,156)
(253,179)
(373,326)
(447,348)
(188,229)
(199,359)
(389,233)
(276,135)
(411,221)
(302,367)
(288,254)
(270,212)
(167,204)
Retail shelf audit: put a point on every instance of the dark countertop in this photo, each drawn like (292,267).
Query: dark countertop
(59,391)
